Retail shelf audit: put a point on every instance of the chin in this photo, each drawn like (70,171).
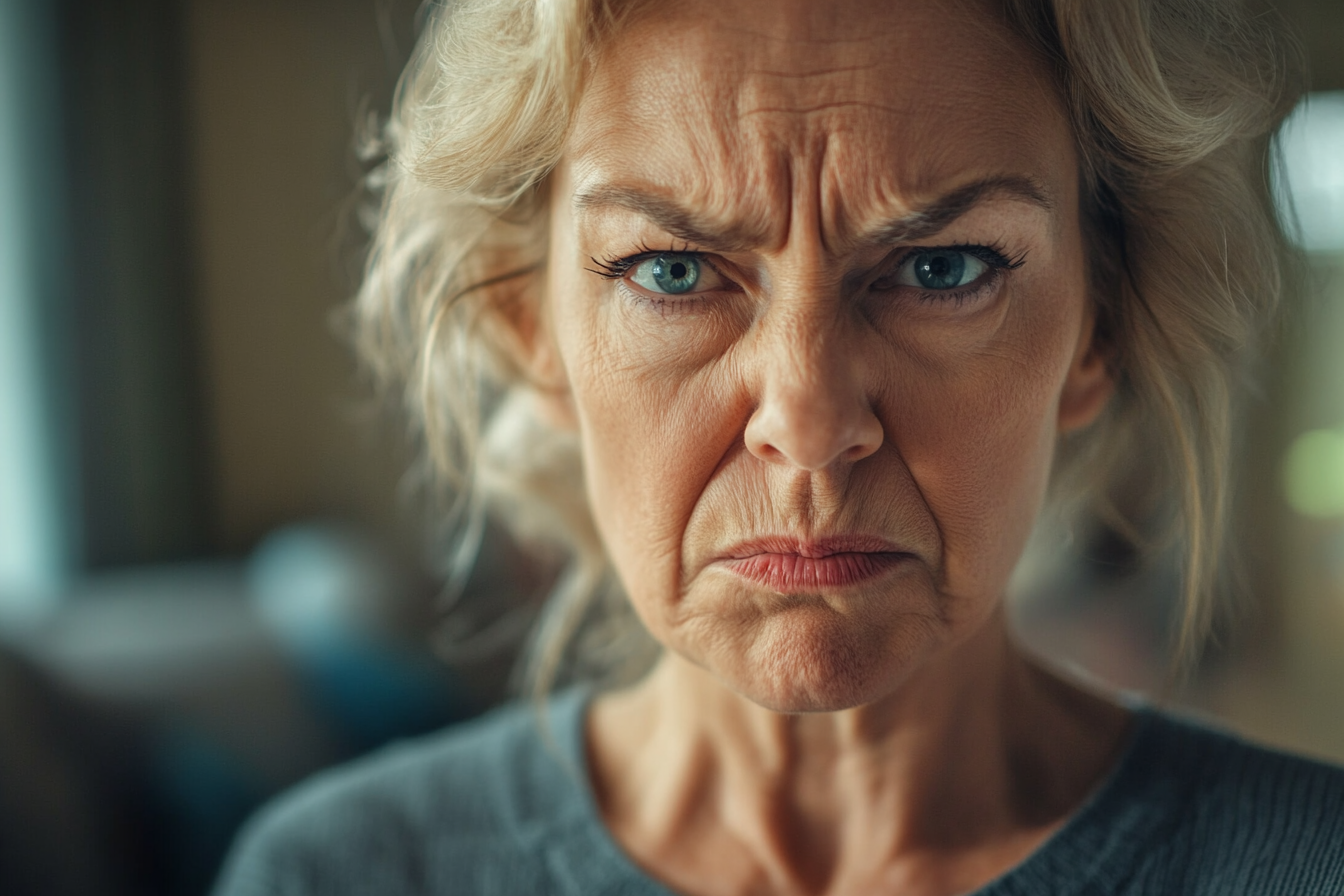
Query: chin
(807,661)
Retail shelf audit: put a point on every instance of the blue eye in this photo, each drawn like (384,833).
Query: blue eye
(941,269)
(671,274)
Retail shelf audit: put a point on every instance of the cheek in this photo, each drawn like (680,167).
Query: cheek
(978,436)
(982,469)
(654,426)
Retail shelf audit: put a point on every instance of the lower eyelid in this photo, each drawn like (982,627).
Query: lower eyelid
(657,301)
(960,295)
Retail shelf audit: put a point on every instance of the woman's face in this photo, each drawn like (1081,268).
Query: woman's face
(817,291)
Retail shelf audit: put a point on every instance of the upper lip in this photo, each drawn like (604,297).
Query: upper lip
(813,547)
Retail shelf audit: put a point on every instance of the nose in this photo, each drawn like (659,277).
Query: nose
(814,409)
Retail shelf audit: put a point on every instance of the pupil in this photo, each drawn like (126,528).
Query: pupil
(678,271)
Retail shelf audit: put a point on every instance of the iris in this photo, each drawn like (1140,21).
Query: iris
(940,270)
(671,274)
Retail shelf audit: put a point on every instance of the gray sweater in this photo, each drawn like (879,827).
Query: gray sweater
(497,808)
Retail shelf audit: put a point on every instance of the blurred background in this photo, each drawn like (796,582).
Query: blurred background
(215,575)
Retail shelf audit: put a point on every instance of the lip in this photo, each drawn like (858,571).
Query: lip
(789,565)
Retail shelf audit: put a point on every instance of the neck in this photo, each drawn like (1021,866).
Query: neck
(980,754)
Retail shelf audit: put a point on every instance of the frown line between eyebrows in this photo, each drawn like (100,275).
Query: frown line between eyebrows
(922,223)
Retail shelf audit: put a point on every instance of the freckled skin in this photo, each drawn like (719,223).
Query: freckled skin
(796,398)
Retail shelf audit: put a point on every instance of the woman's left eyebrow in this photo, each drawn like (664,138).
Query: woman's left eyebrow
(934,217)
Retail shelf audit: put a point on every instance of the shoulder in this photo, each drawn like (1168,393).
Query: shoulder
(1248,784)
(430,815)
(1241,818)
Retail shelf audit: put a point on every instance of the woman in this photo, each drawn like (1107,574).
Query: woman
(820,299)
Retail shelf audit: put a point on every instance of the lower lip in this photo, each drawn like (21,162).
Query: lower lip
(787,573)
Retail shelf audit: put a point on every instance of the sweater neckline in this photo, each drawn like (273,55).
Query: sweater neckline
(1099,843)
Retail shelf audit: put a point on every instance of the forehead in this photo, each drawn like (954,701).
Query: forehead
(751,108)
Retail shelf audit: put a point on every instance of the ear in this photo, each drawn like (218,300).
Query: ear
(527,340)
(1090,382)
(549,380)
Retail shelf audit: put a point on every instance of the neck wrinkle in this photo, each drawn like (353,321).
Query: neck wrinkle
(933,743)
(826,802)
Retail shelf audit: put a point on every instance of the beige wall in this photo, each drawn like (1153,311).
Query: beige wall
(1320,27)
(272,96)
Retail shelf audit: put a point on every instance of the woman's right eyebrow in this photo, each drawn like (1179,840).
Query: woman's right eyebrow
(672,218)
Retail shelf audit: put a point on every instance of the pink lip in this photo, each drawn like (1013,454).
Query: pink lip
(789,565)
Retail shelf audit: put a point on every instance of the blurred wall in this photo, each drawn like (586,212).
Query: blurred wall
(1320,26)
(275,90)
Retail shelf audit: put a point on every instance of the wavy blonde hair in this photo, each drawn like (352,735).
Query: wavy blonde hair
(1173,103)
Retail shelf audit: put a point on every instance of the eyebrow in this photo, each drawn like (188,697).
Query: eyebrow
(939,214)
(919,224)
(672,218)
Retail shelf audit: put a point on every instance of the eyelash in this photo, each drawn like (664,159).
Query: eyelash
(617,268)
(994,255)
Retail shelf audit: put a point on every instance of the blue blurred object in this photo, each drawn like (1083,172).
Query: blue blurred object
(1312,179)
(350,624)
(204,792)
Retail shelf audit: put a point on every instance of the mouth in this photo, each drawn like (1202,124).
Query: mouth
(789,565)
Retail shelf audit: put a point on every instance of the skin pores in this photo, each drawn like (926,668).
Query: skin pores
(811,398)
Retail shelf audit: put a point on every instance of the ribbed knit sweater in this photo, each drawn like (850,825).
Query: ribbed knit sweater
(495,808)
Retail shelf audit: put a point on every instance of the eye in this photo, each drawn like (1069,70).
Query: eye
(669,273)
(940,269)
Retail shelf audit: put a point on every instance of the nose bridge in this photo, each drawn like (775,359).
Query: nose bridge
(813,402)
(804,359)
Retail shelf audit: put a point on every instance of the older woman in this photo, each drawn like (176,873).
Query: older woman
(781,317)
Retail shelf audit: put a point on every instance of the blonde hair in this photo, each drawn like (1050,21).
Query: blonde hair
(1173,102)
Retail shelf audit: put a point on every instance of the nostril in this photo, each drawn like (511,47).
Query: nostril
(804,441)
(813,415)
(856,453)
(868,437)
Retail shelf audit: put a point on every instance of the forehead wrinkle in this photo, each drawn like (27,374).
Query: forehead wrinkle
(821,107)
(716,184)
(760,116)
(752,34)
(818,73)
(834,88)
